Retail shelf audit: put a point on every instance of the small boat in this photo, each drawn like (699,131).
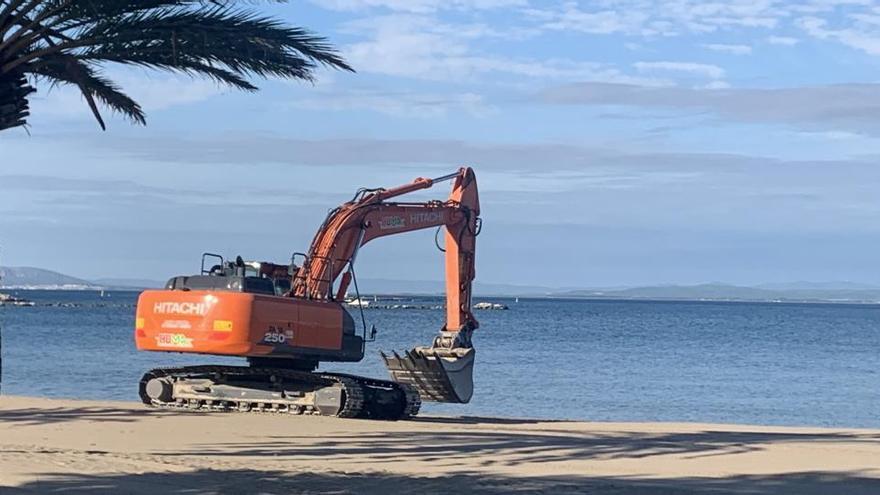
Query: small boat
(358,303)
(488,305)
(7,300)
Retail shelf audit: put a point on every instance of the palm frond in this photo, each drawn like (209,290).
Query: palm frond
(67,41)
(241,40)
(93,85)
(14,109)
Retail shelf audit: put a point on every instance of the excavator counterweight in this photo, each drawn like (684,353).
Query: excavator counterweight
(287,319)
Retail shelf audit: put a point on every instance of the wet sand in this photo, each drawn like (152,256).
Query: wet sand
(120,447)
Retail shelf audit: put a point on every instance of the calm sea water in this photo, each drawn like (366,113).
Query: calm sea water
(787,364)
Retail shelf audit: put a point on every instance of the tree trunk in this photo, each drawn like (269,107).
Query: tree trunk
(14,109)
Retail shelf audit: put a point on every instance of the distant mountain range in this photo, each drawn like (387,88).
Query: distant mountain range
(807,292)
(136,283)
(389,286)
(804,285)
(26,277)
(38,278)
(844,292)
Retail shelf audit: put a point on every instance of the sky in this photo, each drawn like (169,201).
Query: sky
(616,143)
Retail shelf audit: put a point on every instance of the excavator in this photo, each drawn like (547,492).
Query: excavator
(286,319)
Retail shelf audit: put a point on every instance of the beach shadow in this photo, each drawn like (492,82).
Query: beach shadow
(513,448)
(271,482)
(43,415)
(481,420)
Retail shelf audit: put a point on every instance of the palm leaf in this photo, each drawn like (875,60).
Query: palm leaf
(14,110)
(68,41)
(69,70)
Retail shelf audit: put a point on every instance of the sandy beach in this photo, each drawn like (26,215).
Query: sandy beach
(119,447)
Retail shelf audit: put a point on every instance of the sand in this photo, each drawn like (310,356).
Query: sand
(118,447)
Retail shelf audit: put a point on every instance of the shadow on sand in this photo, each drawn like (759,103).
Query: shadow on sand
(271,482)
(483,420)
(512,448)
(44,415)
(458,450)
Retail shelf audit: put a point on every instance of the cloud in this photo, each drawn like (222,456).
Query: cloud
(716,85)
(861,36)
(657,18)
(429,40)
(248,149)
(848,107)
(422,47)
(43,183)
(109,190)
(732,49)
(570,17)
(833,135)
(540,191)
(521,182)
(705,70)
(154,92)
(851,22)
(418,6)
(782,40)
(159,92)
(400,104)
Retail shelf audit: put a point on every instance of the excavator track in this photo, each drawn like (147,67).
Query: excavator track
(406,401)
(277,390)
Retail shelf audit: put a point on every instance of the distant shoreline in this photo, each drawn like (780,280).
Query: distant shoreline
(557,297)
(794,292)
(709,300)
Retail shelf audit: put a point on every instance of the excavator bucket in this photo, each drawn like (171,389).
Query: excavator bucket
(439,375)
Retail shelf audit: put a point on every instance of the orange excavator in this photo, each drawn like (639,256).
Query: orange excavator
(286,319)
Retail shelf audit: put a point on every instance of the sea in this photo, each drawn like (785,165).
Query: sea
(595,360)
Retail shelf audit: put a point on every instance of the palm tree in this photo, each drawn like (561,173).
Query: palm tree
(69,41)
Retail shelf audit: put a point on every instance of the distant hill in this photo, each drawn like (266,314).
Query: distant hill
(428,287)
(129,283)
(37,278)
(702,291)
(844,292)
(805,285)
(26,276)
(724,292)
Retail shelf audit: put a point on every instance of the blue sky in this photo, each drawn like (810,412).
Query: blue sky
(616,142)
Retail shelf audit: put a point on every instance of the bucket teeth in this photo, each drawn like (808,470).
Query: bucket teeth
(439,375)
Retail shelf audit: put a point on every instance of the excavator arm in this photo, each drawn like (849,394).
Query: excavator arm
(441,372)
(349,227)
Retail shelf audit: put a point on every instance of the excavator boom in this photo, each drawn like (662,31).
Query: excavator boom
(370,216)
(443,371)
